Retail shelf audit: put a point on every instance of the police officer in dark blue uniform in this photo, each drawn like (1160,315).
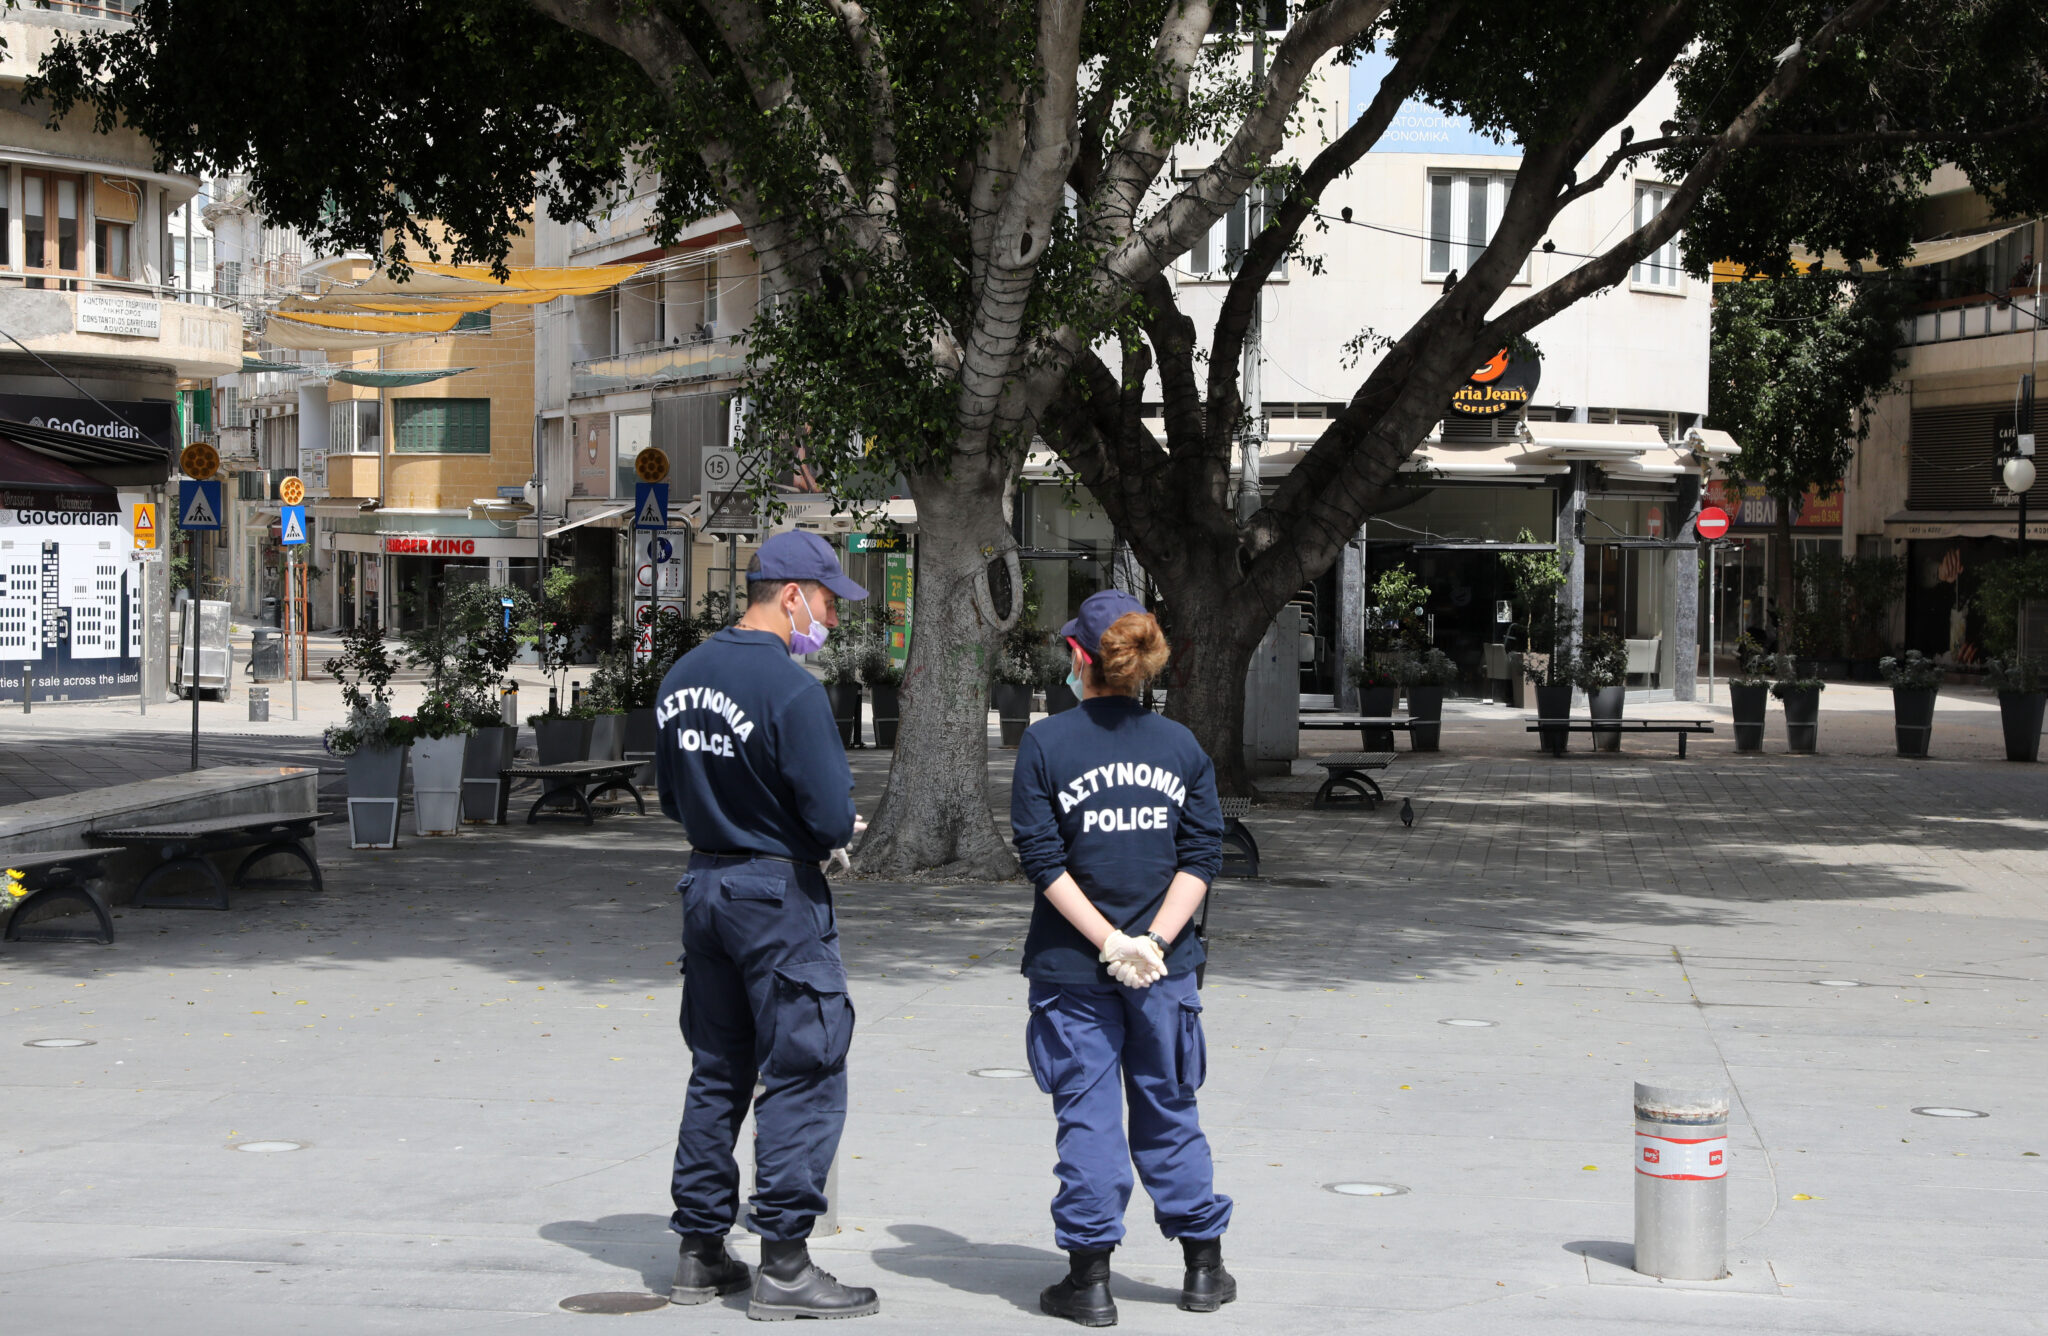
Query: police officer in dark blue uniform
(1117,824)
(751,762)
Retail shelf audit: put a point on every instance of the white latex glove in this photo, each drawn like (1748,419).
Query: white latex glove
(1134,962)
(860,825)
(841,860)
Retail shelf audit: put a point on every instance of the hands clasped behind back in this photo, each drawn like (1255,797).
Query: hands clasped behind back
(1134,962)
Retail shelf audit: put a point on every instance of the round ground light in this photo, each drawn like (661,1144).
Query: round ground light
(1943,1111)
(267,1147)
(1366,1189)
(60,1043)
(1840,983)
(616,1301)
(1469,1023)
(1000,1073)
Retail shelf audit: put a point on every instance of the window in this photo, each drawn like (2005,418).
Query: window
(353,427)
(1464,210)
(49,222)
(116,207)
(631,433)
(1216,252)
(1658,269)
(441,426)
(111,245)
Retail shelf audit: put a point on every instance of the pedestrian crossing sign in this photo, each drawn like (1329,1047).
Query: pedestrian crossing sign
(199,503)
(145,525)
(291,526)
(650,505)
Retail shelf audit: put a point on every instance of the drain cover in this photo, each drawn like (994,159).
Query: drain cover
(1366,1189)
(615,1301)
(60,1043)
(1000,1073)
(1941,1111)
(268,1147)
(1841,983)
(1467,1023)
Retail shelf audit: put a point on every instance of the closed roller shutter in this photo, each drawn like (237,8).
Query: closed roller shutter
(1954,458)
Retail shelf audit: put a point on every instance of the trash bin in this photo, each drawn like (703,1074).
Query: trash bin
(266,654)
(269,614)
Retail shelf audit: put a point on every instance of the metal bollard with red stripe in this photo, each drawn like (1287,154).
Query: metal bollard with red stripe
(1681,1157)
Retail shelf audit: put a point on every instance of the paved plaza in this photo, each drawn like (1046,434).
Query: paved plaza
(473,1042)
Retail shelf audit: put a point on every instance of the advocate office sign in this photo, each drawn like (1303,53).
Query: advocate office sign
(1502,384)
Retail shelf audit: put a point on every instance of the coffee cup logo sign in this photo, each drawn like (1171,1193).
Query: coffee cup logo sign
(431,547)
(1501,384)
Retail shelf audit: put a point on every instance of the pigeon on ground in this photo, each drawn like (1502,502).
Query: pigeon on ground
(1407,813)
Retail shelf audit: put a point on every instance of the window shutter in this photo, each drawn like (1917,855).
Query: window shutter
(1953,458)
(115,200)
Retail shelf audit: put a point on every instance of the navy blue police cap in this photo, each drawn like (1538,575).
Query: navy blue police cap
(1098,613)
(798,555)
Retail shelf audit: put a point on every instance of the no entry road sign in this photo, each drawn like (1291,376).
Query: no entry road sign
(1712,523)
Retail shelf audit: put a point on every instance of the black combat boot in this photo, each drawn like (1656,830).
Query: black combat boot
(789,1285)
(1207,1286)
(705,1270)
(1083,1296)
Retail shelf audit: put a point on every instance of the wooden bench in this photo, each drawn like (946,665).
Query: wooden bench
(1367,725)
(576,781)
(1238,844)
(185,845)
(53,878)
(1348,783)
(1559,728)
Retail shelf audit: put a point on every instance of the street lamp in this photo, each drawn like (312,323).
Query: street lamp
(2019,476)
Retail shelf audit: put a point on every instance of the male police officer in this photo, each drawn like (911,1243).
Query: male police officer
(750,761)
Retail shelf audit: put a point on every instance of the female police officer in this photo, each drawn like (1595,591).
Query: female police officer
(1116,822)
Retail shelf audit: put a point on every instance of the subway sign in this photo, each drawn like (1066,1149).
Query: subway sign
(431,547)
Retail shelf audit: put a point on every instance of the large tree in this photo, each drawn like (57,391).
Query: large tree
(959,205)
(1797,364)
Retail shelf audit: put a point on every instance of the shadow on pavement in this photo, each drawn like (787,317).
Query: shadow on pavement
(638,1242)
(1008,1271)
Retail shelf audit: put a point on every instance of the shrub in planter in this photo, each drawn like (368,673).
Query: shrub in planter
(1800,692)
(1915,679)
(1378,690)
(489,748)
(371,742)
(1012,675)
(2021,682)
(1426,678)
(1601,671)
(839,664)
(1749,694)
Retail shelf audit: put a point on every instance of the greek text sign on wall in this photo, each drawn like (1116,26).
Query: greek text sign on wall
(1417,127)
(137,317)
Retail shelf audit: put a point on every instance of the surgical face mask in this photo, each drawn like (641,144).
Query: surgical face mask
(811,641)
(1074,685)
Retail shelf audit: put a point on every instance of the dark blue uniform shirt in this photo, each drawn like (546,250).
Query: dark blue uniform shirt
(1122,799)
(749,758)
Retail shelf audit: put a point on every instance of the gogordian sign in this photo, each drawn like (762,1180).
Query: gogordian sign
(1502,384)
(432,547)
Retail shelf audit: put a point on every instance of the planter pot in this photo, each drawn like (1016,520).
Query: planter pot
(1837,670)
(608,737)
(1013,709)
(1425,718)
(2020,712)
(1913,719)
(559,740)
(1802,720)
(1606,703)
(1378,703)
(489,750)
(845,698)
(1751,704)
(437,784)
(885,699)
(641,737)
(1059,697)
(1553,703)
(1864,670)
(376,776)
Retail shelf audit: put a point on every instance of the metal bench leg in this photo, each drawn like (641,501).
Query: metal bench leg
(574,793)
(623,785)
(292,847)
(1348,788)
(172,865)
(1236,837)
(18,931)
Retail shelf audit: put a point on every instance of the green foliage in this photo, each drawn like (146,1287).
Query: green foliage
(467,653)
(1913,671)
(1432,668)
(2002,588)
(626,679)
(2016,672)
(1537,578)
(878,668)
(1822,588)
(1786,677)
(364,668)
(1874,584)
(1753,667)
(1368,673)
(1400,622)
(1602,661)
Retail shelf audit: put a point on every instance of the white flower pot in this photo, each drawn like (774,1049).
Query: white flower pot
(437,784)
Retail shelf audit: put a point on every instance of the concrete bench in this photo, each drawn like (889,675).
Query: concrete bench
(576,781)
(1239,847)
(1558,728)
(185,845)
(52,879)
(1348,783)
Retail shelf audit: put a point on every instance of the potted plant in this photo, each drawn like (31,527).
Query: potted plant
(1012,675)
(467,655)
(1800,690)
(839,662)
(1915,679)
(1749,694)
(1378,689)
(2021,682)
(882,676)
(371,743)
(610,694)
(1600,669)
(1426,679)
(440,736)
(561,735)
(1875,584)
(1537,576)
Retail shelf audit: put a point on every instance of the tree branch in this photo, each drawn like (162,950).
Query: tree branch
(874,63)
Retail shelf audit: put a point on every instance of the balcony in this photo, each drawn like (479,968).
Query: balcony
(1971,318)
(677,364)
(124,322)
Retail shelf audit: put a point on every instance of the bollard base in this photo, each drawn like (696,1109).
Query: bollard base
(1614,1264)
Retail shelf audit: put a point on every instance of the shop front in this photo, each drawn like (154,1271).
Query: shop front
(400,580)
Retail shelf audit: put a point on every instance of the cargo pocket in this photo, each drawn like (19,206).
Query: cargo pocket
(1045,1045)
(684,883)
(754,886)
(813,1018)
(1191,1047)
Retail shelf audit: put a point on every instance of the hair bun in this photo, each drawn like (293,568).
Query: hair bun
(1134,650)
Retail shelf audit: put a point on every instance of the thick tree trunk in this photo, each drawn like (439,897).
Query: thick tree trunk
(1215,630)
(934,815)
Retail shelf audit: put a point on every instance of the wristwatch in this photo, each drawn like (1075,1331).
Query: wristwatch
(1163,945)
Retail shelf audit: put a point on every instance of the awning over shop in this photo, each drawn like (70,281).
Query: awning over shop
(33,481)
(1563,442)
(611,512)
(1933,251)
(1937,526)
(1478,462)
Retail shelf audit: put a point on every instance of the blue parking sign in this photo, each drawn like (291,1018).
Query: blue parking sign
(199,503)
(650,505)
